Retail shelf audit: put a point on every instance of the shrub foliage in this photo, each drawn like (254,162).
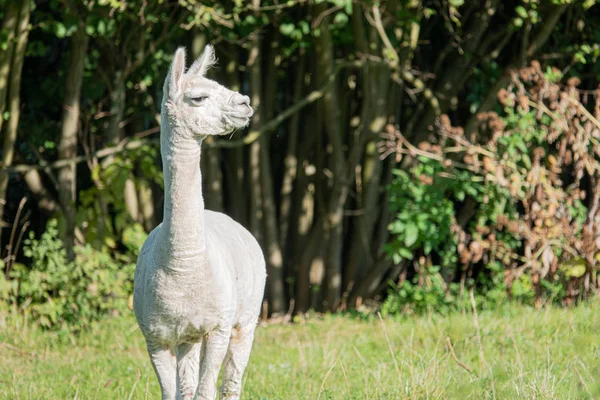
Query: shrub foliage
(511,207)
(69,295)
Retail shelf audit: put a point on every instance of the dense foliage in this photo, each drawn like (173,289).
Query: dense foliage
(69,294)
(490,109)
(532,177)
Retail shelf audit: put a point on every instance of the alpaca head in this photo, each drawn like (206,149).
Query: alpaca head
(199,105)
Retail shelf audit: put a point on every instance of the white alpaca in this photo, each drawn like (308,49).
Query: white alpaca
(200,276)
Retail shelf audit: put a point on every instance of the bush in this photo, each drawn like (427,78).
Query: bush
(512,210)
(63,295)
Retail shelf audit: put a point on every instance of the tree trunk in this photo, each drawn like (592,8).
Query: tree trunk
(374,115)
(146,201)
(117,108)
(118,95)
(45,200)
(14,99)
(9,25)
(274,256)
(305,232)
(234,166)
(333,224)
(256,207)
(67,147)
(262,210)
(291,159)
(369,284)
(277,303)
(212,178)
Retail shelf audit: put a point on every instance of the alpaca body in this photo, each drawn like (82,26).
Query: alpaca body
(184,300)
(200,276)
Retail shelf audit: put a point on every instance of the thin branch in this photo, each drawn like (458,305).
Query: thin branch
(10,258)
(325,13)
(384,37)
(275,122)
(405,75)
(125,145)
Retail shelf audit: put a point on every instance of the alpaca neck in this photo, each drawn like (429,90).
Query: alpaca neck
(182,232)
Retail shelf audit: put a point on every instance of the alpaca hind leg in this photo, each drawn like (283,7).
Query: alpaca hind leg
(236,361)
(165,365)
(188,364)
(214,349)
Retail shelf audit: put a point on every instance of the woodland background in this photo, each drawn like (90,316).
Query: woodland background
(403,153)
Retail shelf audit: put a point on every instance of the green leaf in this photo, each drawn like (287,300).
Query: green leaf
(60,30)
(518,22)
(304,27)
(522,146)
(101,27)
(526,160)
(579,57)
(588,3)
(340,19)
(521,11)
(575,267)
(427,248)
(405,253)
(411,234)
(286,29)
(348,7)
(429,12)
(456,3)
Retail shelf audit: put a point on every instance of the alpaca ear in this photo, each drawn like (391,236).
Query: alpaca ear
(176,71)
(204,62)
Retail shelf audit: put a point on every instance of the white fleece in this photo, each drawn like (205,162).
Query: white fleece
(200,276)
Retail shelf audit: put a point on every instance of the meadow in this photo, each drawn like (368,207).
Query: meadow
(511,353)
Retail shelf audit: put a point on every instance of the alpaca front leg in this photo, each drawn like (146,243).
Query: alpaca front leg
(165,365)
(236,361)
(213,353)
(188,365)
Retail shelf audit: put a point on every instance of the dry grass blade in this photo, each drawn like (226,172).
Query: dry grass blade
(517,354)
(137,379)
(462,364)
(325,379)
(582,381)
(482,362)
(389,344)
(13,348)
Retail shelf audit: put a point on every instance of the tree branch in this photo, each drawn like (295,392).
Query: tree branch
(274,123)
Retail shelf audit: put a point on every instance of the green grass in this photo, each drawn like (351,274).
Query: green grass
(528,354)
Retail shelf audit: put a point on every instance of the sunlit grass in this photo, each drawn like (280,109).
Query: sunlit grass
(528,354)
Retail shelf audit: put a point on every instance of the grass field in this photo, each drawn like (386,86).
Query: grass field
(519,353)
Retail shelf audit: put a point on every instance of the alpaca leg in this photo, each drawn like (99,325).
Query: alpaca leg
(213,352)
(188,364)
(236,361)
(165,365)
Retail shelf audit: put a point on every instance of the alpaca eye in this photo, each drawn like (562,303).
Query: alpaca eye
(199,99)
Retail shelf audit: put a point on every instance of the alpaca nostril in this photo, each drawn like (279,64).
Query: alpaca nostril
(243,101)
